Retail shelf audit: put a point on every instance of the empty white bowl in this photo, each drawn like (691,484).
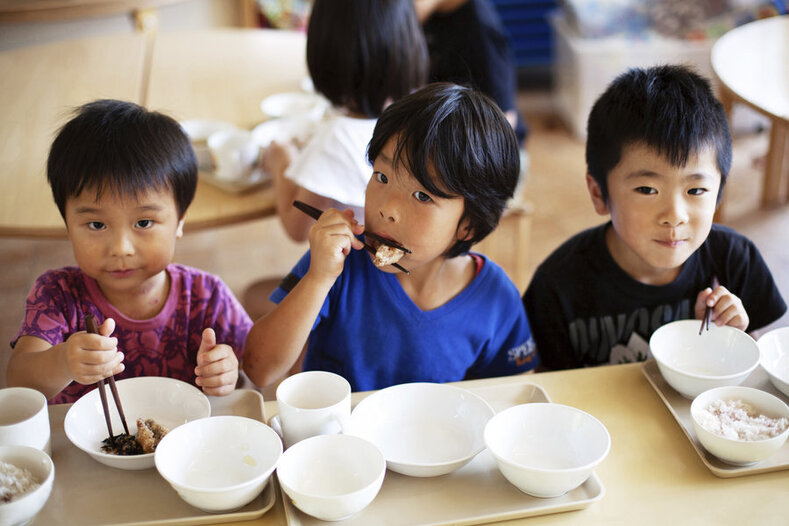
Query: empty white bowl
(546,449)
(423,429)
(737,451)
(289,104)
(198,131)
(774,346)
(692,363)
(219,463)
(25,506)
(331,477)
(168,401)
(297,129)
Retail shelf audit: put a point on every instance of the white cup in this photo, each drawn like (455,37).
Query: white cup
(198,131)
(233,153)
(24,419)
(312,403)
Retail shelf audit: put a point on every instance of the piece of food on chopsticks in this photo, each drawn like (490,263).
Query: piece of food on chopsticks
(149,433)
(386,255)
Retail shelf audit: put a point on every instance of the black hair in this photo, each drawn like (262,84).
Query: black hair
(463,136)
(118,146)
(668,108)
(362,54)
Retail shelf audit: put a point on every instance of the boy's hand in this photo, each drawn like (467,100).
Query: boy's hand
(217,366)
(91,357)
(331,240)
(727,308)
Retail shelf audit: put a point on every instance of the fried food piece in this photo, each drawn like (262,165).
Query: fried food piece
(149,433)
(386,255)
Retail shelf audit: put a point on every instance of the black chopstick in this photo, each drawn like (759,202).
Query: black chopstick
(315,213)
(93,328)
(705,321)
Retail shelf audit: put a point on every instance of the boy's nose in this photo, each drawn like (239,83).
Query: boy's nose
(122,244)
(675,211)
(389,209)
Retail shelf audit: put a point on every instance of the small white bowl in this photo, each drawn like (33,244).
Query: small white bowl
(289,104)
(774,346)
(198,131)
(298,130)
(546,449)
(734,451)
(331,477)
(23,508)
(423,429)
(691,362)
(168,401)
(219,463)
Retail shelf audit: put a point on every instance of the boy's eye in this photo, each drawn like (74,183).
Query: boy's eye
(96,225)
(698,191)
(380,177)
(646,190)
(144,223)
(422,197)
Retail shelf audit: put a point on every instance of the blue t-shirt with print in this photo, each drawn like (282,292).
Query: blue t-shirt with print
(370,332)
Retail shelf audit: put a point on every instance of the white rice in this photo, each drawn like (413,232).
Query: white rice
(15,481)
(739,420)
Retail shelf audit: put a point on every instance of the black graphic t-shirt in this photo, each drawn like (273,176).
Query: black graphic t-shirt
(584,310)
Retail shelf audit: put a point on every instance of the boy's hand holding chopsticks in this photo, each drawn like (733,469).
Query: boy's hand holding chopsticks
(93,357)
(725,307)
(331,240)
(217,366)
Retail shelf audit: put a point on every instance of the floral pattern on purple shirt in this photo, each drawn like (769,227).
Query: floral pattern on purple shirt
(165,345)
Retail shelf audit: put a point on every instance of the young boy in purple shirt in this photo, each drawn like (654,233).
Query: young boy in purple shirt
(123,178)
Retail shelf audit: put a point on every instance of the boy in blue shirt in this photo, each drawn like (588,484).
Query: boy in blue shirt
(658,153)
(445,161)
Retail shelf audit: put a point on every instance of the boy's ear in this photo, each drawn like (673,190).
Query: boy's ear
(600,206)
(465,231)
(179,231)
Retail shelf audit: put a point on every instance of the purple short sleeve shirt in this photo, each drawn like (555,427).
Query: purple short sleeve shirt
(165,345)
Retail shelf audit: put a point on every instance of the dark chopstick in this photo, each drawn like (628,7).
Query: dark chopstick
(705,321)
(90,321)
(315,213)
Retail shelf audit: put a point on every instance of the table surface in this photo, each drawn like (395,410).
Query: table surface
(753,62)
(652,474)
(210,74)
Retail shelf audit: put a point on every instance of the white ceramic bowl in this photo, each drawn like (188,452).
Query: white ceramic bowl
(289,104)
(24,418)
(331,477)
(692,363)
(23,508)
(774,346)
(736,451)
(219,463)
(168,401)
(297,129)
(198,131)
(546,449)
(423,429)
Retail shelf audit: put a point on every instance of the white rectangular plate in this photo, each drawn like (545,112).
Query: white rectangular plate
(475,494)
(87,493)
(679,407)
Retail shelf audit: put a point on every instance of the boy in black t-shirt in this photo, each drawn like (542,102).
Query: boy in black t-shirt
(658,153)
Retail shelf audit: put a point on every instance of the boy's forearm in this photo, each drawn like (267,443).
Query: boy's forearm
(276,341)
(41,370)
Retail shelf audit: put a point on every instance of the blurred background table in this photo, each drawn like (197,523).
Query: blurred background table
(209,74)
(752,64)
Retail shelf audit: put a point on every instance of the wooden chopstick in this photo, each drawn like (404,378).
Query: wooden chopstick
(315,213)
(705,321)
(93,328)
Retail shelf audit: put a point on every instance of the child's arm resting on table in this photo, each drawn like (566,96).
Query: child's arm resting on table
(276,340)
(83,358)
(727,309)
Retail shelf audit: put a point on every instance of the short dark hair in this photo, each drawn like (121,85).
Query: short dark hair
(463,135)
(118,146)
(363,54)
(668,108)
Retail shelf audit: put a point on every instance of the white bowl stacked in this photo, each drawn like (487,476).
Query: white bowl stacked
(692,363)
(168,401)
(546,449)
(423,429)
(219,463)
(774,346)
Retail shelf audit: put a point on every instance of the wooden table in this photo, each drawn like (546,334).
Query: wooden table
(652,474)
(752,65)
(213,74)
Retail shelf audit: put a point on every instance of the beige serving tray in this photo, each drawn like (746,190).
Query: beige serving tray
(679,406)
(86,492)
(475,494)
